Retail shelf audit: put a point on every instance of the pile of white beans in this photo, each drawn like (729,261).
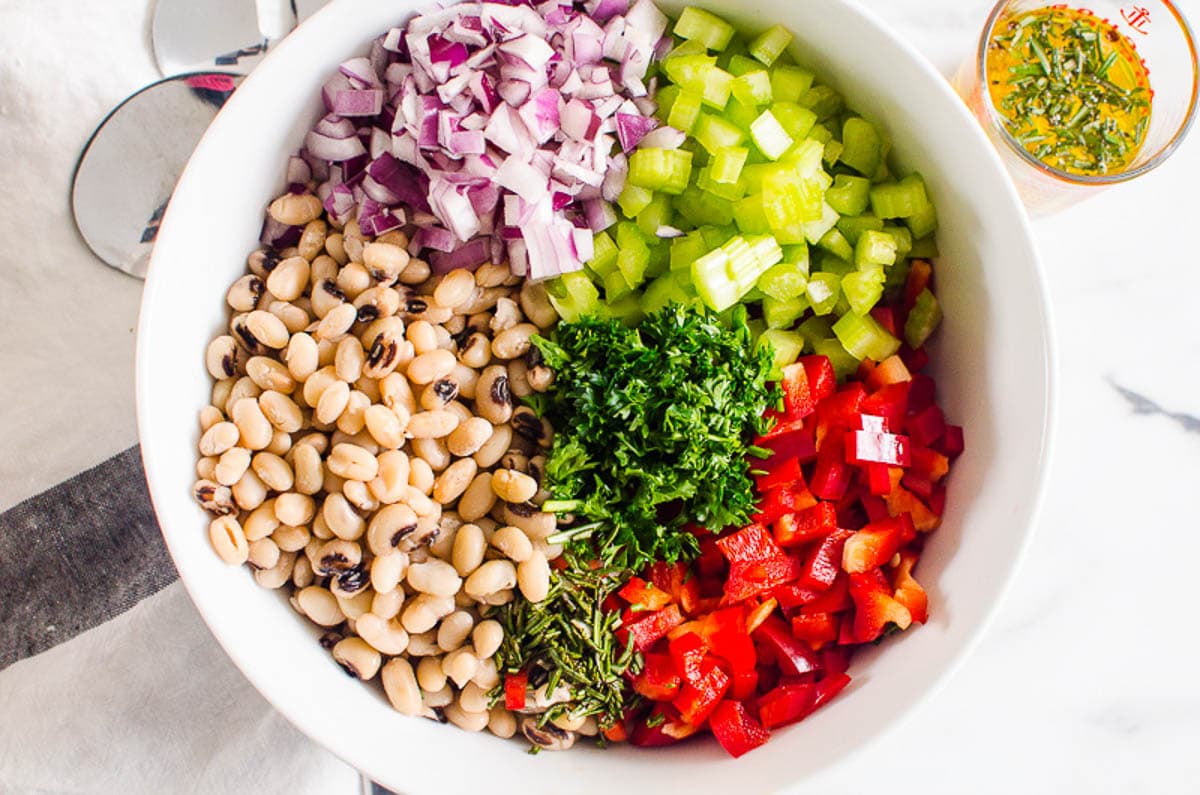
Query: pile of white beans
(363,448)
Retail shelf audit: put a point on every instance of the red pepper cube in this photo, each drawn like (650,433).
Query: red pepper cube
(926,426)
(875,606)
(872,546)
(916,360)
(835,659)
(824,562)
(918,484)
(908,591)
(659,680)
(643,596)
(697,700)
(735,730)
(795,657)
(792,595)
(780,471)
(821,379)
(783,500)
(798,399)
(952,442)
(687,650)
(667,729)
(891,370)
(828,687)
(886,317)
(841,409)
(834,599)
(750,544)
(649,627)
(929,463)
(786,704)
(816,629)
(922,393)
(830,477)
(920,273)
(799,528)
(515,686)
(872,445)
(751,579)
(879,481)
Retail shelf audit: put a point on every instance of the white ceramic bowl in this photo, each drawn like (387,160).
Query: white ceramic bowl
(993,362)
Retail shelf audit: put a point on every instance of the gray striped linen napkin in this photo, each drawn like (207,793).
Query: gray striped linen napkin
(77,555)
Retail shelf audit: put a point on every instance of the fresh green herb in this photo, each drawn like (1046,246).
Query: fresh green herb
(653,428)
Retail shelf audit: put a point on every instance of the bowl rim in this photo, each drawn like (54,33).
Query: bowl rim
(159,271)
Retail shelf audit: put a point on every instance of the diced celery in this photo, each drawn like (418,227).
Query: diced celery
(923,222)
(824,262)
(836,244)
(816,329)
(664,290)
(727,164)
(709,29)
(712,282)
(745,267)
(770,44)
(897,277)
(795,119)
(660,260)
(753,88)
(823,291)
(820,133)
(833,150)
(750,216)
(685,110)
(666,170)
(604,254)
(687,249)
(902,199)
(814,231)
(864,338)
(633,199)
(717,85)
(715,236)
(788,201)
(657,213)
(739,114)
(853,226)
(715,133)
(785,280)
(783,314)
(627,309)
(863,289)
(687,47)
(796,254)
(823,100)
(573,296)
(631,264)
(615,285)
(805,159)
(903,238)
(874,248)
(753,174)
(699,207)
(849,195)
(731,192)
(786,346)
(665,97)
(924,247)
(789,83)
(629,236)
(861,146)
(844,365)
(769,136)
(923,319)
(688,70)
(741,64)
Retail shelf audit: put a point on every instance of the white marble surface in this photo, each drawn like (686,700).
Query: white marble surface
(1084,683)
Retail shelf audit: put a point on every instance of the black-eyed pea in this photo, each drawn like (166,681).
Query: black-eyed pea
(396,393)
(289,279)
(245,293)
(421,334)
(533,577)
(326,352)
(501,722)
(210,416)
(341,517)
(308,471)
(325,296)
(206,468)
(320,528)
(281,411)
(430,675)
(387,605)
(486,676)
(540,378)
(279,573)
(390,484)
(513,542)
(513,342)
(387,571)
(219,438)
(468,550)
(301,356)
(483,300)
(337,322)
(295,209)
(384,635)
(320,606)
(420,475)
(518,378)
(460,410)
(354,418)
(491,577)
(377,302)
(289,538)
(439,394)
(254,429)
(353,606)
(568,722)
(302,573)
(386,352)
(267,329)
(352,462)
(389,527)
(221,391)
(493,399)
(460,665)
(476,351)
(454,289)
(464,601)
(469,436)
(334,248)
(491,274)
(227,539)
(333,401)
(445,340)
(466,379)
(433,704)
(423,612)
(273,471)
(349,359)
(337,557)
(357,658)
(454,630)
(535,303)
(231,465)
(478,499)
(538,525)
(293,508)
(424,644)
(324,268)
(281,441)
(487,637)
(261,522)
(435,577)
(473,698)
(385,261)
(312,239)
(261,261)
(249,492)
(499,598)
(513,486)
(263,553)
(400,686)
(494,448)
(505,316)
(358,495)
(415,272)
(432,452)
(423,506)
(430,366)
(448,524)
(223,358)
(453,481)
(353,279)
(369,387)
(243,388)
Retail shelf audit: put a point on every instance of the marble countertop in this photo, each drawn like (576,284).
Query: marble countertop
(1085,682)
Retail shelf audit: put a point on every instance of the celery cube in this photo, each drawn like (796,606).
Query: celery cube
(923,319)
(923,222)
(874,248)
(745,267)
(688,70)
(708,29)
(716,88)
(657,213)
(861,146)
(665,98)
(712,282)
(854,226)
(925,247)
(784,281)
(805,159)
(741,64)
(629,236)
(816,329)
(849,195)
(664,290)
(783,314)
(770,44)
(666,170)
(604,254)
(631,264)
(687,249)
(903,238)
(903,199)
(715,236)
(836,244)
(823,291)
(685,110)
(688,47)
(739,114)
(715,133)
(727,164)
(753,88)
(627,309)
(749,215)
(699,207)
(795,119)
(844,365)
(823,100)
(786,346)
(705,182)
(863,289)
(788,201)
(864,338)
(633,199)
(573,296)
(769,136)
(789,83)
(615,285)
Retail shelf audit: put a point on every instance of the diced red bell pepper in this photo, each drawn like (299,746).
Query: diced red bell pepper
(937,500)
(828,687)
(875,606)
(658,680)
(901,500)
(952,442)
(750,579)
(759,614)
(786,704)
(823,563)
(782,500)
(926,426)
(875,507)
(752,544)
(886,317)
(879,482)
(918,484)
(794,656)
(649,627)
(793,595)
(891,370)
(735,730)
(697,700)
(874,444)
(816,630)
(782,427)
(830,477)
(515,686)
(711,561)
(821,379)
(779,471)
(835,660)
(929,463)
(908,591)
(798,399)
(809,525)
(872,546)
(919,275)
(889,402)
(642,596)
(915,360)
(740,658)
(834,599)
(687,651)
(840,410)
(679,582)
(617,733)
(922,393)
(667,729)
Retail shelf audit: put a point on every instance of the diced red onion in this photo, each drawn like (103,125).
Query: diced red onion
(600,214)
(469,256)
(664,138)
(633,128)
